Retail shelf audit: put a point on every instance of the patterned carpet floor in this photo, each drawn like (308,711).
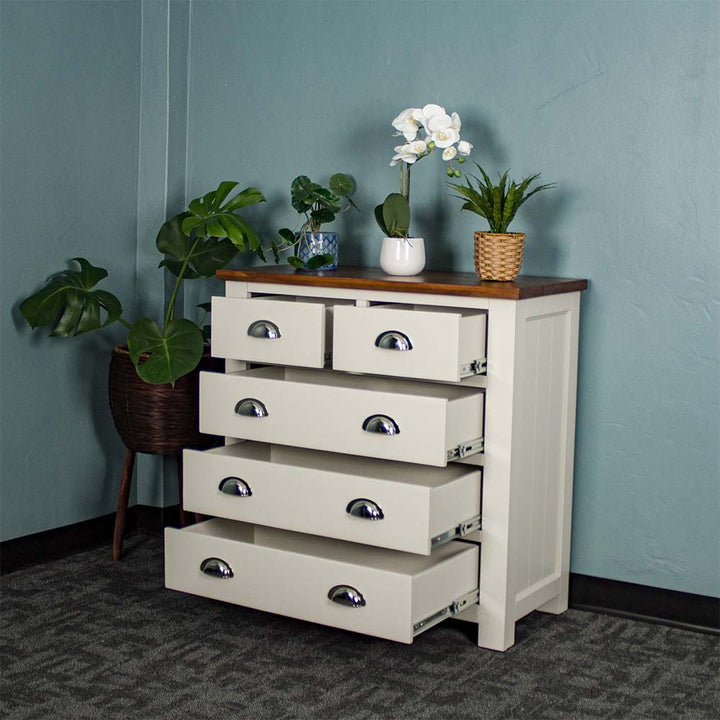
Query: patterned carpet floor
(86,639)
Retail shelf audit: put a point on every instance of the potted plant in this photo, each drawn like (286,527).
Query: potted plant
(498,254)
(153,378)
(425,130)
(316,250)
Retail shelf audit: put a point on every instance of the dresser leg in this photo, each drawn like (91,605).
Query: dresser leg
(123,497)
(183,514)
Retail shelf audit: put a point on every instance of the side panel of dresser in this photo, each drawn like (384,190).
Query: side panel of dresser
(529,449)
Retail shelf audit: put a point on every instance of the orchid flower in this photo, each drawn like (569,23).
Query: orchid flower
(424,129)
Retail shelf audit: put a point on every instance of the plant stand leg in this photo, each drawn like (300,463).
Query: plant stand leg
(183,514)
(123,497)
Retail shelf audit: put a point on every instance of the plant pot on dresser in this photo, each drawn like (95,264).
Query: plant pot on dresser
(398,452)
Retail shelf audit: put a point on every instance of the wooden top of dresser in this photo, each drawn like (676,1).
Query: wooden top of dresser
(433,283)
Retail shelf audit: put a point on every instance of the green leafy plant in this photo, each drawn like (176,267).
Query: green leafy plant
(319,205)
(393,216)
(196,243)
(497,203)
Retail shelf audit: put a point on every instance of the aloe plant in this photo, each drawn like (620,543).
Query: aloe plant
(393,216)
(497,203)
(196,243)
(319,205)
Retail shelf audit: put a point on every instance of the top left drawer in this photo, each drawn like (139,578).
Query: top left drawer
(277,330)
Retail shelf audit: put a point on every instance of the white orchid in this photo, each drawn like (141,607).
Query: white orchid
(425,129)
(445,137)
(410,152)
(464,148)
(406,124)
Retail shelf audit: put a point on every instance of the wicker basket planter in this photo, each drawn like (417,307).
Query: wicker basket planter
(156,419)
(498,256)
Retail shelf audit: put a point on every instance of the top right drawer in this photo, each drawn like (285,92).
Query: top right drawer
(411,341)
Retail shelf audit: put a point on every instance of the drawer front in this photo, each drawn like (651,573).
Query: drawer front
(425,344)
(341,413)
(391,505)
(295,575)
(281,331)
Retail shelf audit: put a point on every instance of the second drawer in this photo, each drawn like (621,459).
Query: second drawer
(392,505)
(357,415)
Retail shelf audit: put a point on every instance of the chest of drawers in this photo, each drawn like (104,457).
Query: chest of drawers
(398,451)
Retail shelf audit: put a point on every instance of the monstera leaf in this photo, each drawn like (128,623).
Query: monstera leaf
(209,218)
(163,356)
(199,257)
(70,303)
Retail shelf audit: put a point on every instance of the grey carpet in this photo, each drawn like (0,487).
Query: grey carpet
(86,639)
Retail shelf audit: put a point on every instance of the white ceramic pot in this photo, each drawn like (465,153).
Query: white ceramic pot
(402,256)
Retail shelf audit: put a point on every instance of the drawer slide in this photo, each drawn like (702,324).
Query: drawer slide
(464,528)
(454,608)
(465,449)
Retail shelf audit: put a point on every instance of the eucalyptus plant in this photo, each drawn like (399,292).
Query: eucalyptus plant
(497,203)
(196,243)
(319,205)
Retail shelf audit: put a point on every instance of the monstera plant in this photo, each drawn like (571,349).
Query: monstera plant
(196,243)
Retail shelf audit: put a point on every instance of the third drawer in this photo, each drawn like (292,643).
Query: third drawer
(393,505)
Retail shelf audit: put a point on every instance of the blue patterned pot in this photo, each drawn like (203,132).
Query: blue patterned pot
(319,243)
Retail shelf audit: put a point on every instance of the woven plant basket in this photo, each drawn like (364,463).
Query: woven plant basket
(498,256)
(156,419)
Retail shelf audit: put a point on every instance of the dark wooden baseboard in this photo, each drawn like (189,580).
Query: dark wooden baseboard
(670,607)
(641,602)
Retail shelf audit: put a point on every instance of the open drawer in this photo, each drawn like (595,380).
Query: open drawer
(279,329)
(393,505)
(421,342)
(368,590)
(374,417)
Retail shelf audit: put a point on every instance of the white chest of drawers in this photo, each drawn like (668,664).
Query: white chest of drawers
(399,451)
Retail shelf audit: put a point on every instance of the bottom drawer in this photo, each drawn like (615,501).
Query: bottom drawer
(386,593)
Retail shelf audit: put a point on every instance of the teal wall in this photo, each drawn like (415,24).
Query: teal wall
(70,97)
(617,102)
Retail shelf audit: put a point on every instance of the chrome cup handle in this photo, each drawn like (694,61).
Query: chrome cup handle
(393,340)
(215,567)
(346,595)
(235,486)
(381,424)
(250,407)
(265,329)
(363,508)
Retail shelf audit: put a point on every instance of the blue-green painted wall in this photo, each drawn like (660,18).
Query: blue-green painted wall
(70,98)
(616,101)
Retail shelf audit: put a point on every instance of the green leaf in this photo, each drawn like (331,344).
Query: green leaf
(341,185)
(211,255)
(326,199)
(275,251)
(190,223)
(323,215)
(170,353)
(69,303)
(317,261)
(221,193)
(171,240)
(379,219)
(296,262)
(251,237)
(396,215)
(249,196)
(288,236)
(301,192)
